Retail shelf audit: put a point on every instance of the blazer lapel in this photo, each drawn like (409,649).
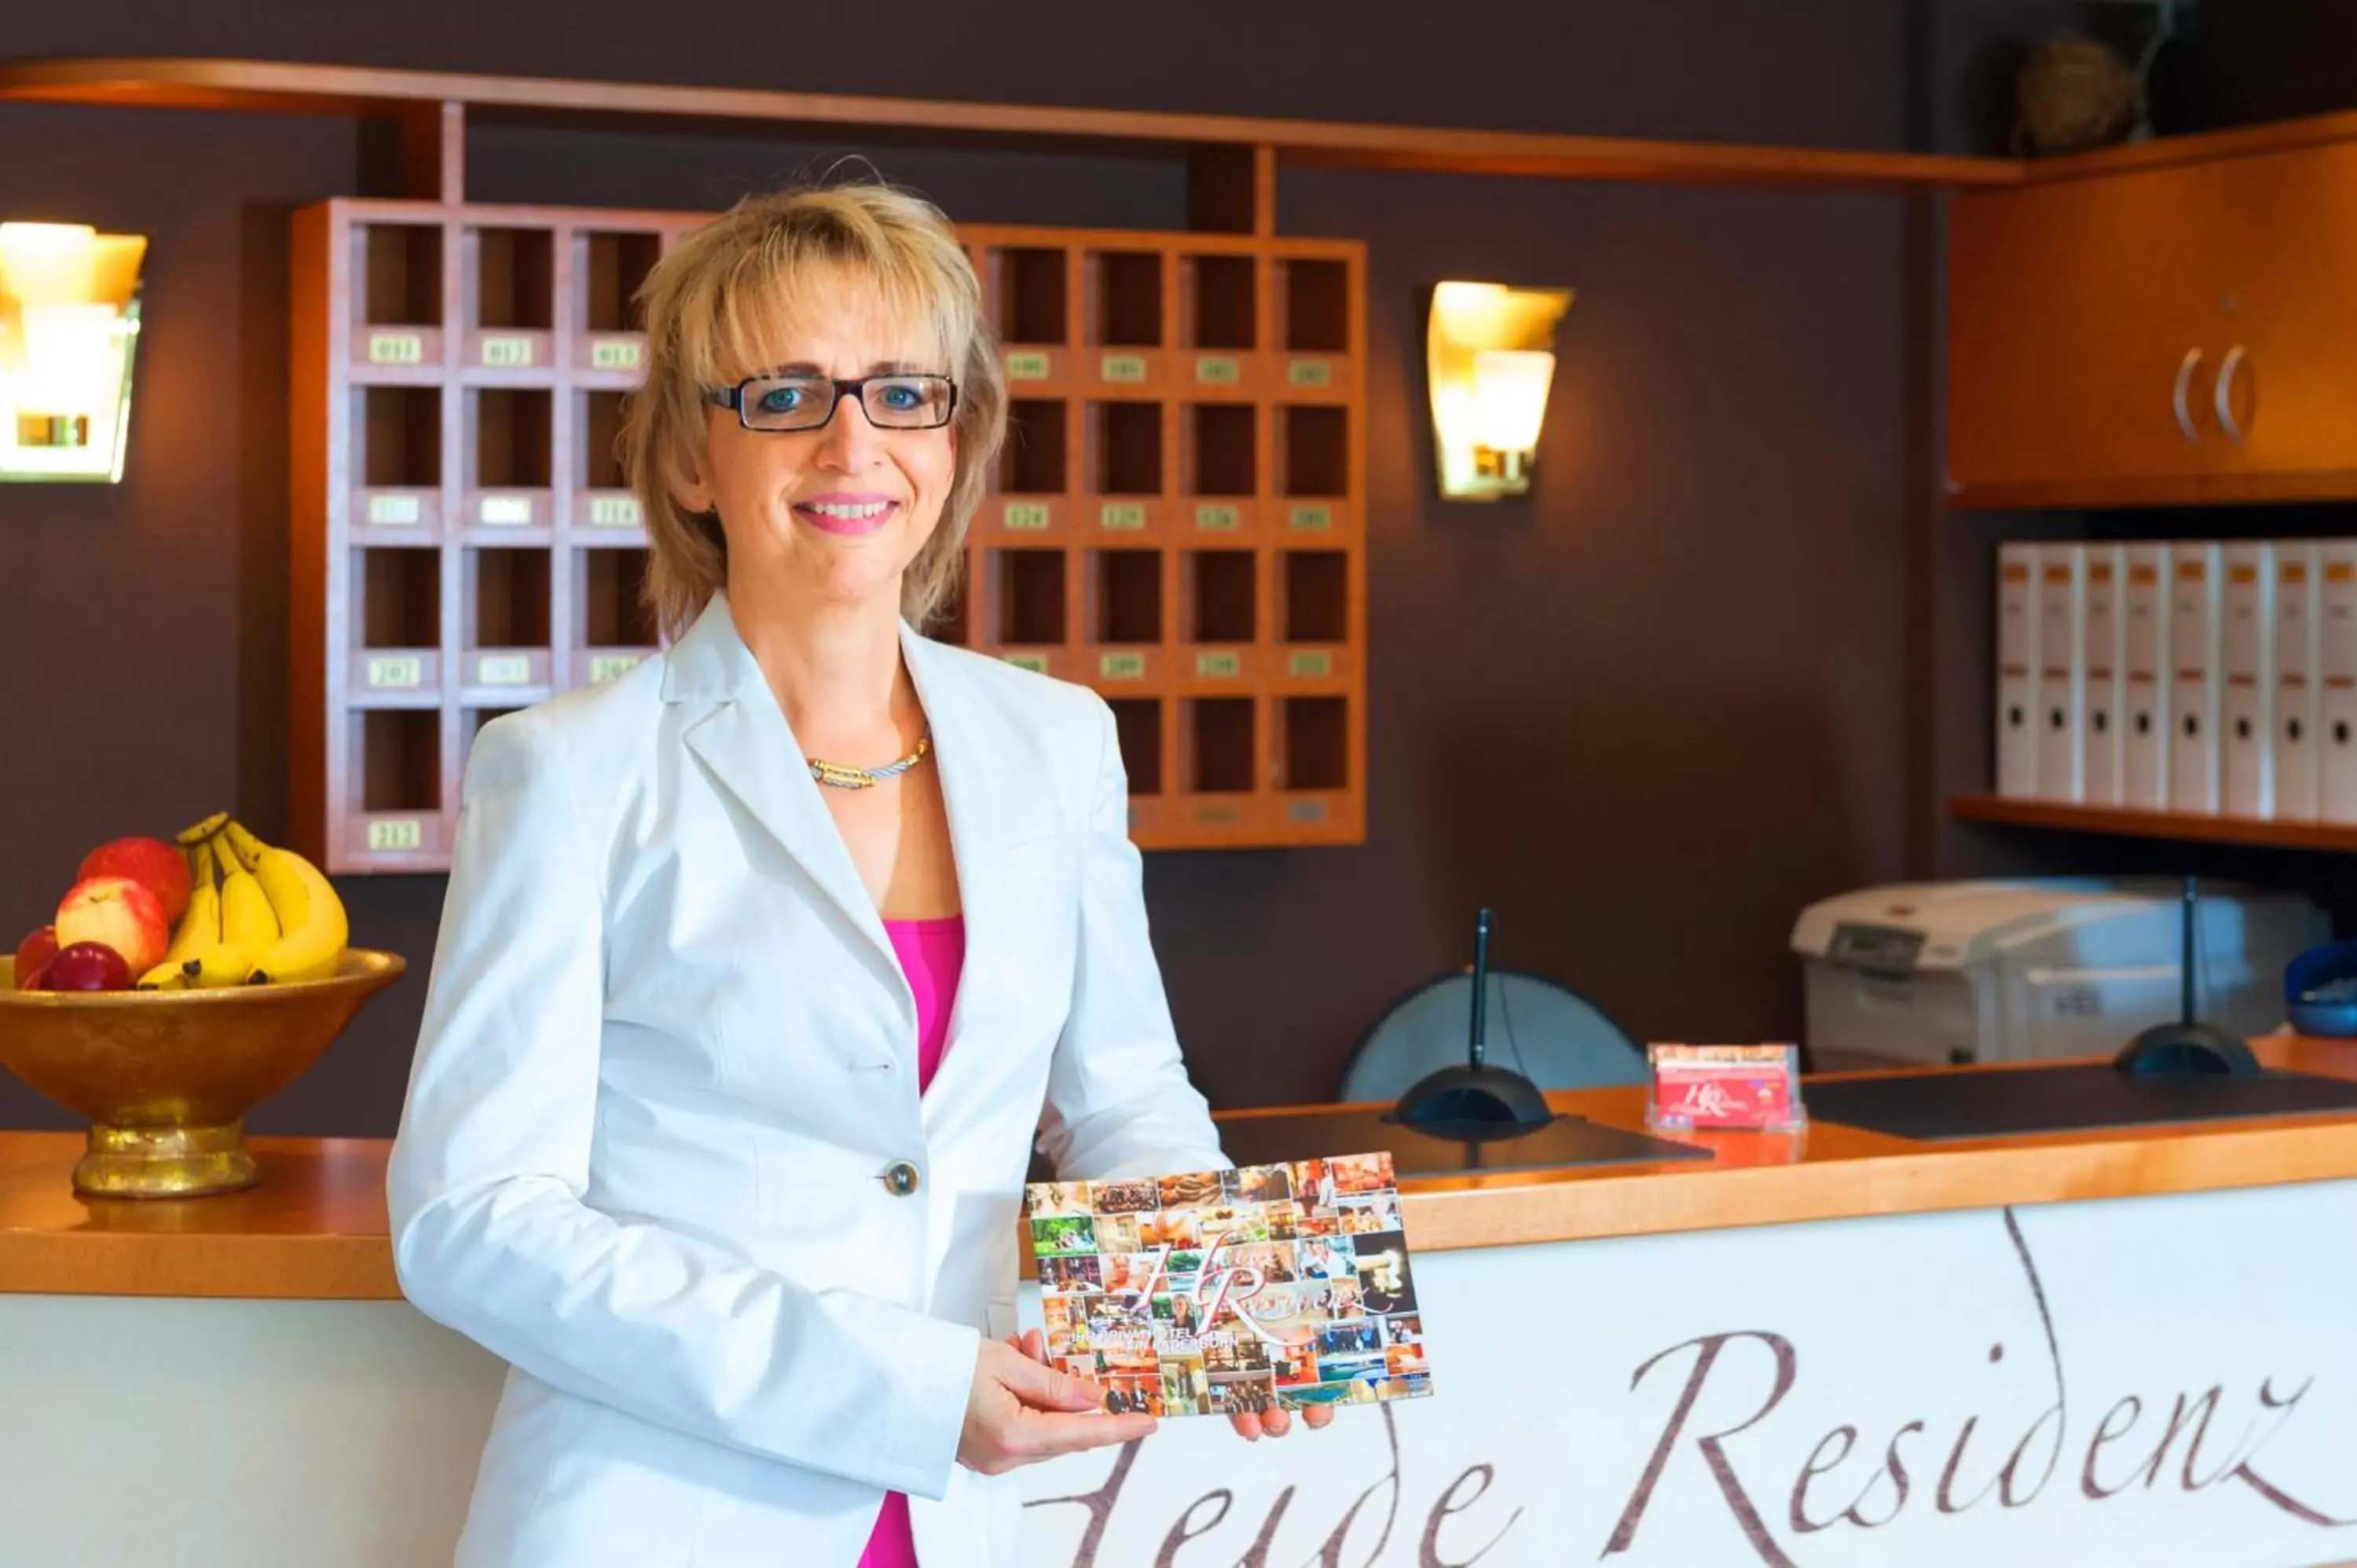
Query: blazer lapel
(743,738)
(969,763)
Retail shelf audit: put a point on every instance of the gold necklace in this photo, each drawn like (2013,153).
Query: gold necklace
(838,775)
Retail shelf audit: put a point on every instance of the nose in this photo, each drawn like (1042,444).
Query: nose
(849,443)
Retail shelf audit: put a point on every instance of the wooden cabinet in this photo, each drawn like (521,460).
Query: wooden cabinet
(2175,334)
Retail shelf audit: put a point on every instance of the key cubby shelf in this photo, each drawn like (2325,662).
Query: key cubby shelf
(1177,520)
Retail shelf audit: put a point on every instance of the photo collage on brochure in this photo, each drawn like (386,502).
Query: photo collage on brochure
(1220,1292)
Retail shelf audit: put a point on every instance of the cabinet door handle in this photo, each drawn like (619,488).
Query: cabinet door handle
(2185,368)
(2224,399)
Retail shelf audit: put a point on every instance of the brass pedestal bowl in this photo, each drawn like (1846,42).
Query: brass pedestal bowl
(167,1076)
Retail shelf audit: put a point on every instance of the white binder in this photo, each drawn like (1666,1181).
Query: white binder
(2017,669)
(2061,669)
(2195,579)
(2246,636)
(2296,775)
(2336,661)
(2105,645)
(2144,667)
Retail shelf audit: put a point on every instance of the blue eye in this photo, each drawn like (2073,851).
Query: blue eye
(903,396)
(782,399)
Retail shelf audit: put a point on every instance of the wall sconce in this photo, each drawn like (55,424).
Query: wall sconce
(1489,358)
(69,321)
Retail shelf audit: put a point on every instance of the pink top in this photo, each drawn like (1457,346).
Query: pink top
(932,954)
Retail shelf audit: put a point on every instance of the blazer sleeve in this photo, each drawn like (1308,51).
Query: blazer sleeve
(491,1233)
(1119,1102)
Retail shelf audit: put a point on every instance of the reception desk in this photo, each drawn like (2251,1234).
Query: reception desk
(1827,1348)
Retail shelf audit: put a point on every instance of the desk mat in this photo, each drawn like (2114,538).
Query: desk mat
(1999,1102)
(1565,1141)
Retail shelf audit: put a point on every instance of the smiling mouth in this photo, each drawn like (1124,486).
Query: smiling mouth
(847,517)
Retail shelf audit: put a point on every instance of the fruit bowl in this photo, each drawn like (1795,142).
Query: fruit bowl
(167,1076)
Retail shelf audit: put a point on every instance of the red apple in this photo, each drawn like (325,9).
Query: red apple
(159,868)
(87,966)
(120,913)
(32,953)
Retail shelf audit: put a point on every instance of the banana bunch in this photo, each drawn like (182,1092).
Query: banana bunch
(256,914)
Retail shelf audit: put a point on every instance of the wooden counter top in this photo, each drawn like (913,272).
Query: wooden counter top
(315,1227)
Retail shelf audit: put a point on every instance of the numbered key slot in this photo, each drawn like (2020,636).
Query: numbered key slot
(1137,721)
(509,457)
(601,500)
(1124,615)
(1315,625)
(1219,325)
(397,636)
(1027,600)
(396,765)
(1314,468)
(1313,325)
(1125,466)
(1217,738)
(1220,457)
(397,433)
(506,598)
(608,269)
(1031,291)
(396,296)
(510,282)
(1124,308)
(1222,615)
(616,626)
(1033,478)
(1315,744)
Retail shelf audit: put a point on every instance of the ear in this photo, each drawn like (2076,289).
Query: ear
(693,490)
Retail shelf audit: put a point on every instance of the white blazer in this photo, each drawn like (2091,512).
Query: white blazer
(659,1129)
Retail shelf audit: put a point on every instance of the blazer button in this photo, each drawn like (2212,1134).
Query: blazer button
(901,1178)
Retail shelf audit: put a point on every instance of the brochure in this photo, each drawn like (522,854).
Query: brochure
(1218,1292)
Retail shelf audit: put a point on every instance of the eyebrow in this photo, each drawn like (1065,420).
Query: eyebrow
(880,368)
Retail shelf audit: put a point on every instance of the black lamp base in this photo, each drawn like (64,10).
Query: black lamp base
(1473,1103)
(2180,1049)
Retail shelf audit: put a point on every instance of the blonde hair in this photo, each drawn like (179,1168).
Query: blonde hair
(715,307)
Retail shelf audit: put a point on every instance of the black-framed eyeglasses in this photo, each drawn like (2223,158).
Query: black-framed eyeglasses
(807,403)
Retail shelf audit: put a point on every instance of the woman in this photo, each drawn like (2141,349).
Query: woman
(673,1145)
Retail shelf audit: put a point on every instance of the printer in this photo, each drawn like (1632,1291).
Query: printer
(2019,971)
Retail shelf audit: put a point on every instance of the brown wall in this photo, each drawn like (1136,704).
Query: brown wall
(1645,715)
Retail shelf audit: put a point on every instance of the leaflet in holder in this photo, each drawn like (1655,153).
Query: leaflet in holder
(1724,1088)
(1217,1292)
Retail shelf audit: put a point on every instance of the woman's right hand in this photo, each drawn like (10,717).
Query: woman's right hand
(1022,1411)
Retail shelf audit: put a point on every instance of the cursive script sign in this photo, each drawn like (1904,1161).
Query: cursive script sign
(2143,1380)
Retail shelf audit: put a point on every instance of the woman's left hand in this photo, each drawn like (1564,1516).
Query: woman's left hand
(1254,1425)
(1251,1425)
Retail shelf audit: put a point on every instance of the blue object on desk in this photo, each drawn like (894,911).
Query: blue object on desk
(1538,1027)
(2315,970)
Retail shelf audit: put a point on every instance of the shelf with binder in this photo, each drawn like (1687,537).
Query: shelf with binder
(2202,827)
